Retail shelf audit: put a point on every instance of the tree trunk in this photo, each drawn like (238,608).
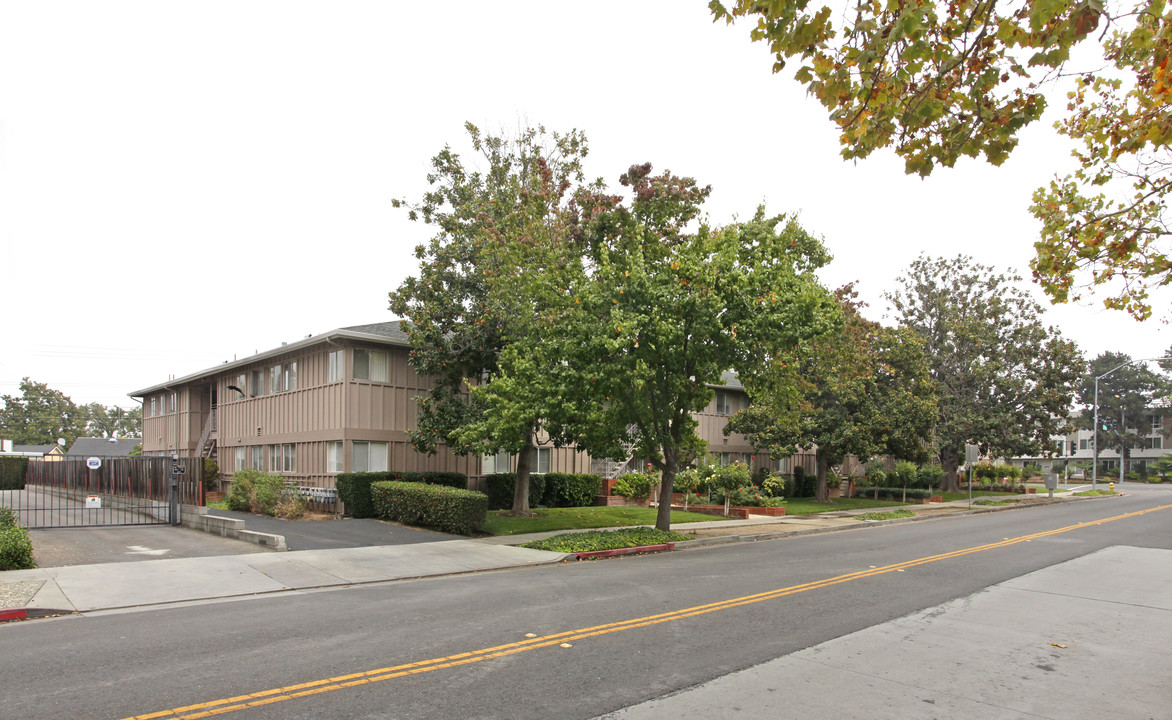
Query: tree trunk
(822,465)
(666,483)
(949,459)
(521,486)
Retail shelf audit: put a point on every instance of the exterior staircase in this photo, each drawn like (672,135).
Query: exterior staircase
(207,439)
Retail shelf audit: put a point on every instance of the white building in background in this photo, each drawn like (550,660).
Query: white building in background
(1154,428)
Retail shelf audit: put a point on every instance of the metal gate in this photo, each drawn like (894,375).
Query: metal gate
(112,491)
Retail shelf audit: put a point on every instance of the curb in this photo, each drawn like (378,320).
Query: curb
(7,614)
(623,551)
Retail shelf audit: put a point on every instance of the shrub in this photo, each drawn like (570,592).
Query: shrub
(929,476)
(774,486)
(290,504)
(904,474)
(607,540)
(805,484)
(255,492)
(211,474)
(438,507)
(447,479)
(354,492)
(570,489)
(500,487)
(16,549)
(1031,470)
(634,485)
(12,472)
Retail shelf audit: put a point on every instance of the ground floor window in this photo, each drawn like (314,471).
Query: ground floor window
(499,463)
(368,456)
(334,457)
(544,458)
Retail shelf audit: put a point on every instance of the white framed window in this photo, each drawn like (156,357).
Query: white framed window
(291,376)
(240,458)
(544,461)
(172,402)
(368,456)
(1157,423)
(256,383)
(289,458)
(1083,444)
(274,458)
(371,365)
(337,366)
(154,412)
(499,463)
(283,377)
(779,464)
(258,457)
(1156,443)
(242,383)
(334,457)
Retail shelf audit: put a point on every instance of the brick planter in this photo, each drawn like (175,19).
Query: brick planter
(214,496)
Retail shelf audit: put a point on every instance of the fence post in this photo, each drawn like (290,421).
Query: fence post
(173,489)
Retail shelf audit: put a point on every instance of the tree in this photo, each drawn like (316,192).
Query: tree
(663,305)
(40,415)
(937,81)
(470,302)
(113,421)
(865,390)
(1003,380)
(1124,398)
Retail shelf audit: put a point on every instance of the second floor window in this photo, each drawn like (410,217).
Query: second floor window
(723,403)
(337,367)
(283,377)
(256,383)
(371,365)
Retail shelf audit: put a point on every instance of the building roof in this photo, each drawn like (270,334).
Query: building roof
(103,447)
(42,449)
(386,333)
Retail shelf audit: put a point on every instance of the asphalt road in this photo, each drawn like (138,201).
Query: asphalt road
(605,634)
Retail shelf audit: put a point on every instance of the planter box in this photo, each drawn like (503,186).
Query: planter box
(619,500)
(214,496)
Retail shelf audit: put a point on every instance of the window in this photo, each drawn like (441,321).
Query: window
(1084,444)
(274,458)
(1156,443)
(240,455)
(544,460)
(153,411)
(258,457)
(499,463)
(256,383)
(242,383)
(370,365)
(174,402)
(289,458)
(779,464)
(283,377)
(368,456)
(337,368)
(334,457)
(723,403)
(731,458)
(1157,423)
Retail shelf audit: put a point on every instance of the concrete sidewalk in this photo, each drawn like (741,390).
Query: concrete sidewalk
(91,588)
(1087,638)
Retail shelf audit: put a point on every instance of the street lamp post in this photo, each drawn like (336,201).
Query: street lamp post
(1095,437)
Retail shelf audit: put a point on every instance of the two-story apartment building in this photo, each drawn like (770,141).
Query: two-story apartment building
(343,401)
(1154,430)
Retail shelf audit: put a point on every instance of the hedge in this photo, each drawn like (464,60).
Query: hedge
(893,493)
(570,489)
(499,488)
(438,507)
(354,488)
(12,472)
(16,549)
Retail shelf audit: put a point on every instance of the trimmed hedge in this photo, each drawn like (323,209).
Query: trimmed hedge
(12,472)
(16,549)
(354,488)
(499,488)
(892,493)
(570,489)
(438,507)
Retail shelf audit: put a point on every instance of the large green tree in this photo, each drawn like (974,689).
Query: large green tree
(937,81)
(40,415)
(112,421)
(1125,397)
(865,390)
(663,305)
(1003,379)
(497,221)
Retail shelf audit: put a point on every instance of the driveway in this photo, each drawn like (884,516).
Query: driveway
(331,534)
(62,547)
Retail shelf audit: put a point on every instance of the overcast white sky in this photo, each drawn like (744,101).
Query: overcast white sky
(185,183)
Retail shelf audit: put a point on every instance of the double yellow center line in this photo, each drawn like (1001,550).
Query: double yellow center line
(340,682)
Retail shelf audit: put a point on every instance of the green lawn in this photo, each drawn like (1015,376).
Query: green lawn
(807,506)
(582,517)
(964,494)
